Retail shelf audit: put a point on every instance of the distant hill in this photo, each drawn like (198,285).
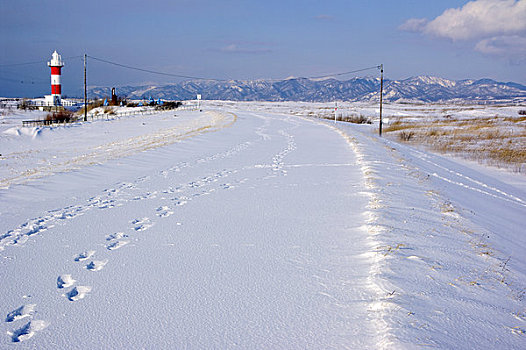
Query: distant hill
(416,89)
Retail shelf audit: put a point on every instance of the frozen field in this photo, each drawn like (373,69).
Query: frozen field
(250,226)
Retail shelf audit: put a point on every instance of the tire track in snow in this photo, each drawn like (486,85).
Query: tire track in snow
(469,182)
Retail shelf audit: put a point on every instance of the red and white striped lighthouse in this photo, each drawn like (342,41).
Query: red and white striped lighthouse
(56,65)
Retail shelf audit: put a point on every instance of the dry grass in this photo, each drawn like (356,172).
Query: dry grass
(355,119)
(499,141)
(63,116)
(406,135)
(92,105)
(109,111)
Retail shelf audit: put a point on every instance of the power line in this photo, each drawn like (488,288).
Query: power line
(344,73)
(202,78)
(33,81)
(152,71)
(25,81)
(177,75)
(21,64)
(35,62)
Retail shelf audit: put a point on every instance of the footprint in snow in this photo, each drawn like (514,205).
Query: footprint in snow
(65,281)
(180,201)
(85,255)
(111,191)
(22,312)
(116,235)
(141,224)
(21,240)
(107,204)
(77,293)
(164,211)
(27,331)
(96,265)
(116,245)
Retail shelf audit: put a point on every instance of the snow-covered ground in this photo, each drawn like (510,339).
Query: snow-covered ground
(252,226)
(491,134)
(391,111)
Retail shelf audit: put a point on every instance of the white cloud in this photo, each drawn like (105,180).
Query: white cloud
(496,27)
(414,25)
(476,19)
(513,45)
(480,18)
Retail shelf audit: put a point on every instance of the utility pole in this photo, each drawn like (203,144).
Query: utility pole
(85,92)
(381,94)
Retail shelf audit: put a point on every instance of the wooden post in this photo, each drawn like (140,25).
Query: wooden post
(381,94)
(85,92)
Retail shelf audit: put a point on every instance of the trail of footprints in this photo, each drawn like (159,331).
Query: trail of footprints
(126,192)
(28,329)
(277,162)
(111,198)
(66,283)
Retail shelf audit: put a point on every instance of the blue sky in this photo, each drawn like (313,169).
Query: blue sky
(234,39)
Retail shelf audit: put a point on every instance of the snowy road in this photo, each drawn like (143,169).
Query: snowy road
(253,230)
(252,237)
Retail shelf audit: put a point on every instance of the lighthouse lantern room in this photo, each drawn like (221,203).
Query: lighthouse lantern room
(56,65)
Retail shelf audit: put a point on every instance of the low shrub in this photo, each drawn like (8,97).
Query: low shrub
(63,116)
(92,105)
(169,105)
(24,104)
(357,119)
(406,135)
(433,132)
(109,111)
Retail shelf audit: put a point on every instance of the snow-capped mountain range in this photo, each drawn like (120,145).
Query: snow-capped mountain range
(416,89)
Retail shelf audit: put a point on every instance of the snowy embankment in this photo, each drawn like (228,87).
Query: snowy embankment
(44,151)
(272,231)
(451,237)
